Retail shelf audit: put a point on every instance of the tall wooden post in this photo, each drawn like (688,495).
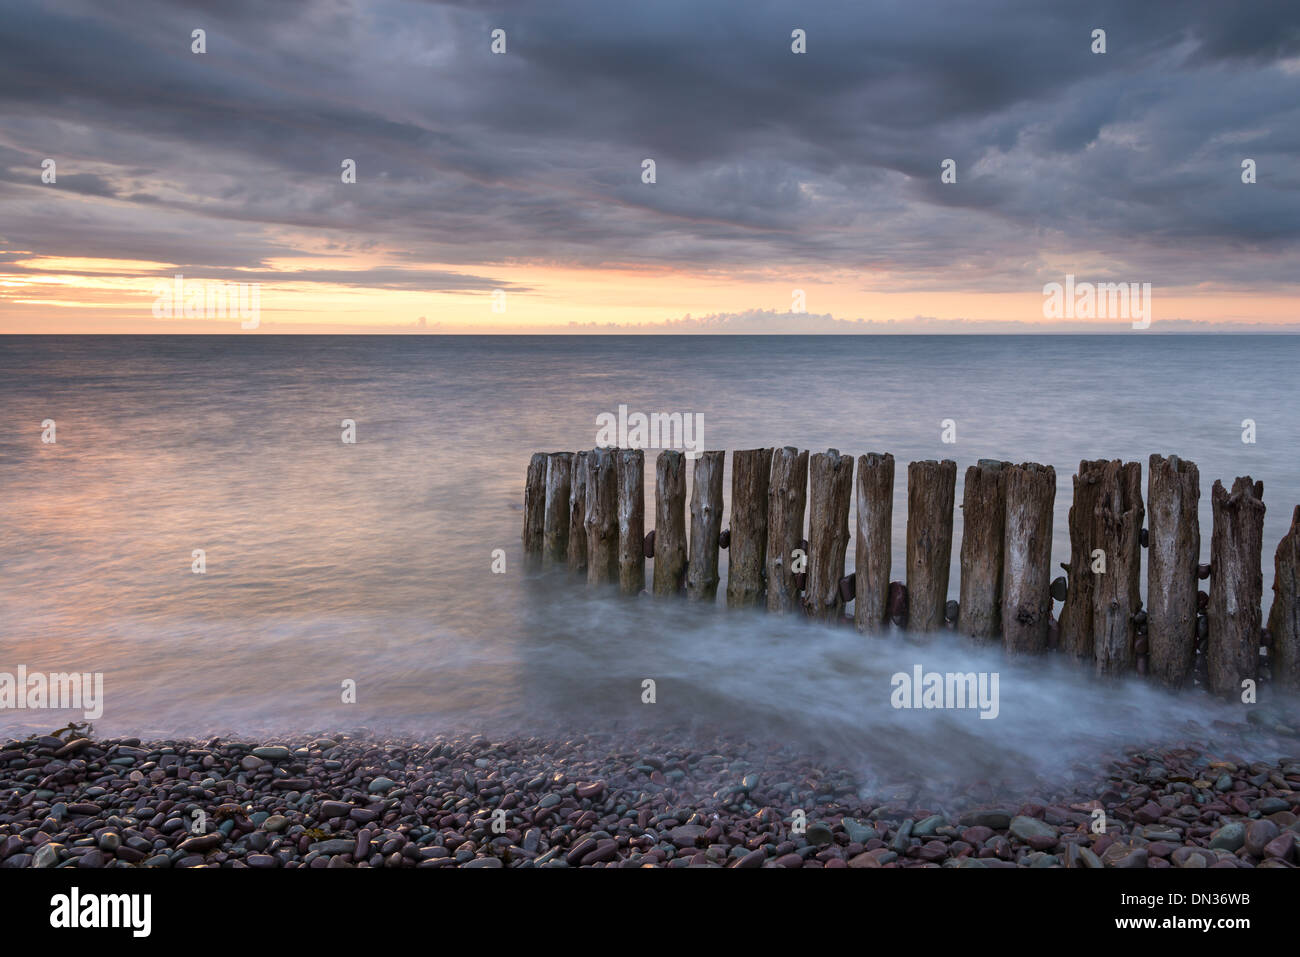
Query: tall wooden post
(1027,557)
(787,496)
(931,490)
(1284,618)
(1173,550)
(602,517)
(631,521)
(1077,639)
(984,520)
(874,547)
(577,552)
(1236,584)
(1117,531)
(830,491)
(555,524)
(534,535)
(751,470)
(670,522)
(706,525)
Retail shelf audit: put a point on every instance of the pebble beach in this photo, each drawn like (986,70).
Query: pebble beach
(613,800)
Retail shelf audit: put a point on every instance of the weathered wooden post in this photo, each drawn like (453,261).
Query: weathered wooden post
(873,550)
(706,525)
(1284,618)
(830,491)
(1077,640)
(1236,584)
(602,517)
(1027,557)
(984,520)
(1173,549)
(577,553)
(631,521)
(1117,531)
(751,469)
(787,496)
(931,490)
(670,522)
(555,526)
(534,535)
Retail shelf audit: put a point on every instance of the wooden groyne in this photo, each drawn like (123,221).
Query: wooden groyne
(789,532)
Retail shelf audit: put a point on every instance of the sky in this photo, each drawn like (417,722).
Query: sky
(506,191)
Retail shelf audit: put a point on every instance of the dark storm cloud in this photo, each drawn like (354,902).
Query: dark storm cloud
(764,158)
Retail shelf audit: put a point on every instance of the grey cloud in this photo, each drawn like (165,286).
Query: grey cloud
(765,158)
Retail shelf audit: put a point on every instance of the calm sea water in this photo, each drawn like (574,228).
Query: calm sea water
(372,561)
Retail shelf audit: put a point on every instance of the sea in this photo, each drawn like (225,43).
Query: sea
(352,584)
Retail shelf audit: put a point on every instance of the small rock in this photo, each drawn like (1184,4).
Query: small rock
(819,834)
(998,820)
(858,832)
(338,845)
(1035,833)
(202,842)
(331,809)
(273,752)
(1230,837)
(1258,835)
(685,835)
(1282,847)
(903,839)
(47,855)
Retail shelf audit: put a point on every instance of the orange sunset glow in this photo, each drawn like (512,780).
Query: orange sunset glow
(93,295)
